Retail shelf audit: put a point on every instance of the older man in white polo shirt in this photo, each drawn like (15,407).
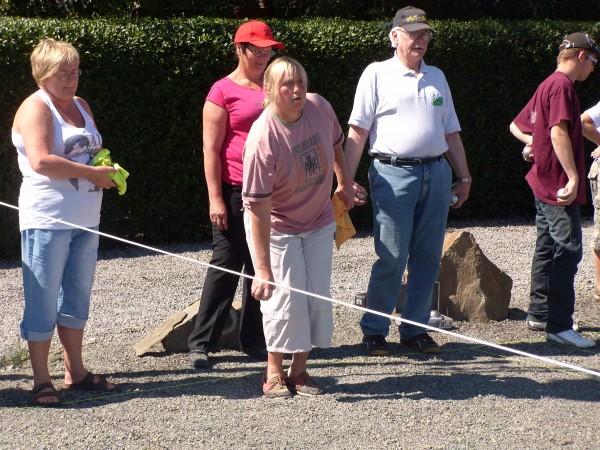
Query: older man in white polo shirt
(405,109)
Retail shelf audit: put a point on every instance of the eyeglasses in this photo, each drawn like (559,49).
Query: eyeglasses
(592,59)
(64,75)
(259,53)
(416,35)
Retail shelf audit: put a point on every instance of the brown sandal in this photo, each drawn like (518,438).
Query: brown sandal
(38,393)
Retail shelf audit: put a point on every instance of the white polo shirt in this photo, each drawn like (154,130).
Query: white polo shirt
(408,114)
(594,113)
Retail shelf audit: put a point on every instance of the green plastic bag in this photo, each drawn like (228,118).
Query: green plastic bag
(103,158)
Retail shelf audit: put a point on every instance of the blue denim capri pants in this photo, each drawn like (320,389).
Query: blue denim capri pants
(58,274)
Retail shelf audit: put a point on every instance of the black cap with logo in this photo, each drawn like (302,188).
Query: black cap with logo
(411,19)
(579,40)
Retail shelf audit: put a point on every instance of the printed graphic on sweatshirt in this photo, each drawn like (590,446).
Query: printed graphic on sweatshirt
(311,162)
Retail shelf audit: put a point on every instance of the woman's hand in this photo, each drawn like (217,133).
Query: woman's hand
(218,213)
(352,195)
(99,176)
(261,290)
(346,195)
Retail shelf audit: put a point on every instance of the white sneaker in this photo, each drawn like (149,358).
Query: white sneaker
(534,325)
(571,338)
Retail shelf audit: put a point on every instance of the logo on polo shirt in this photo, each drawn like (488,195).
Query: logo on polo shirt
(438,100)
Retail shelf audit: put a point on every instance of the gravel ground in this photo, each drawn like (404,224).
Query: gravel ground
(469,396)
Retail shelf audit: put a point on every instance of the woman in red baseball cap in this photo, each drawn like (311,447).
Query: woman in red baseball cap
(232,105)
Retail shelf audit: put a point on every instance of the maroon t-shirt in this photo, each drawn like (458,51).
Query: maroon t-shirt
(554,100)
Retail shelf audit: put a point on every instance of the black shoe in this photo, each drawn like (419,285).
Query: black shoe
(422,343)
(376,344)
(258,352)
(199,359)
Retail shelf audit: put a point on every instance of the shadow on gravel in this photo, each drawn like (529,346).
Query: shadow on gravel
(464,351)
(468,371)
(590,329)
(206,384)
(460,372)
(465,386)
(457,351)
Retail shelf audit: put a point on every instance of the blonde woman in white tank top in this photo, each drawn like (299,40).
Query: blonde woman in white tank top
(56,137)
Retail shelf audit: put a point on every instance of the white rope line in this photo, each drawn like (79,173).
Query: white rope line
(396,319)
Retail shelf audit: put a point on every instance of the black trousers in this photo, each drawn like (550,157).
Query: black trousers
(230,251)
(558,251)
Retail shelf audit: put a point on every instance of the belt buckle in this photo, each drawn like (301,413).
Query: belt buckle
(418,161)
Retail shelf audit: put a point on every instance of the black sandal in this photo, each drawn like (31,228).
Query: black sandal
(38,393)
(87,384)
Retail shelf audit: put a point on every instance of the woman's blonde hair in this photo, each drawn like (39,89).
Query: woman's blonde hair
(281,68)
(49,56)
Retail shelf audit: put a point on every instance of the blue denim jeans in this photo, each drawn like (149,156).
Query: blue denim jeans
(58,274)
(410,209)
(558,251)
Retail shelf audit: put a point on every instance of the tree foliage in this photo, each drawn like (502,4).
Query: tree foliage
(349,9)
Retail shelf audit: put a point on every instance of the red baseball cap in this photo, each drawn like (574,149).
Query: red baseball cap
(257,33)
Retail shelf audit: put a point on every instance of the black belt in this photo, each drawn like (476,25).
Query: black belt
(398,161)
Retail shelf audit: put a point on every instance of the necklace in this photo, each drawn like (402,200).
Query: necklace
(243,79)
(65,113)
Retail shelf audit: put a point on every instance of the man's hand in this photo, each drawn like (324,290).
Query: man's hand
(461,189)
(360,194)
(569,195)
(527,154)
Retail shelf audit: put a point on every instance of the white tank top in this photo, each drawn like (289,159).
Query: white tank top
(74,200)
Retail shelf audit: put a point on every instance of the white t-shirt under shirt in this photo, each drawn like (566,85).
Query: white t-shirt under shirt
(74,200)
(594,113)
(408,114)
(292,163)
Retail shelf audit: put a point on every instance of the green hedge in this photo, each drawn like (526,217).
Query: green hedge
(289,9)
(147,80)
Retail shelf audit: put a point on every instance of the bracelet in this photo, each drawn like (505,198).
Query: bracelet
(468,179)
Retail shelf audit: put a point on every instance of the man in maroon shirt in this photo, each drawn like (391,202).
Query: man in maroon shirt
(550,127)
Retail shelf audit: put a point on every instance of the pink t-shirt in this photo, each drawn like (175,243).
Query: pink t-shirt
(554,100)
(243,106)
(293,165)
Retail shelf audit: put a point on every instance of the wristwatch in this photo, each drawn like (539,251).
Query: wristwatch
(468,179)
